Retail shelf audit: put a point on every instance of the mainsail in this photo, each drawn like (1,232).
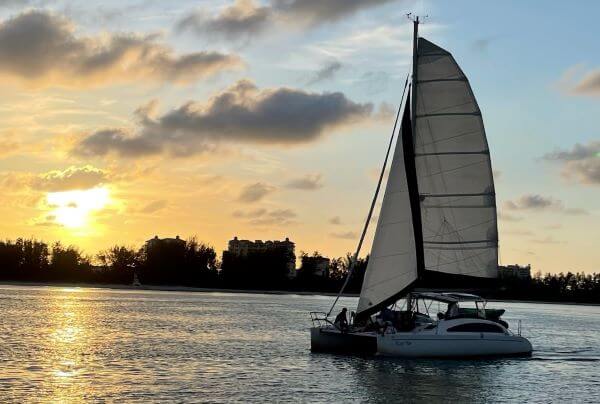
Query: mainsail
(442,165)
(454,174)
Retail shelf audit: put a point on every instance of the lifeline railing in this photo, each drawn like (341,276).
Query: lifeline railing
(319,319)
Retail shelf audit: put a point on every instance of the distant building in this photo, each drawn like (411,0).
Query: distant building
(318,266)
(515,271)
(153,242)
(241,248)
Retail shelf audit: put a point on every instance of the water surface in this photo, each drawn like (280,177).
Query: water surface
(86,344)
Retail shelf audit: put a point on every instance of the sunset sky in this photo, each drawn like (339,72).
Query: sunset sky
(269,119)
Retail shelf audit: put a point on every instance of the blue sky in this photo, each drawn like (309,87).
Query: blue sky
(525,61)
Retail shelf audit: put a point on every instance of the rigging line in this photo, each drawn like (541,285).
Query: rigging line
(461,229)
(366,226)
(474,257)
(431,174)
(461,242)
(472,132)
(453,262)
(458,168)
(447,107)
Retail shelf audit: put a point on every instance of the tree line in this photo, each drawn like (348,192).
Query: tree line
(196,264)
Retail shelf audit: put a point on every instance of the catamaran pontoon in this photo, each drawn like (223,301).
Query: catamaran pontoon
(438,215)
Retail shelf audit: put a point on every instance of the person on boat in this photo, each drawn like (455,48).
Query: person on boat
(341,320)
(452,310)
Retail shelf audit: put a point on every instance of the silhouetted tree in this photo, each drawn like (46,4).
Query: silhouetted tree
(119,264)
(68,264)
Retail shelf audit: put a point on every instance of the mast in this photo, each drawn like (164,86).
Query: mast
(409,154)
(414,74)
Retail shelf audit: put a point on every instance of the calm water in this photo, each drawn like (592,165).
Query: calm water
(70,345)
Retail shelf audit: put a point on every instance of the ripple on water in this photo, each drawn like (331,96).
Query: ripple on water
(109,345)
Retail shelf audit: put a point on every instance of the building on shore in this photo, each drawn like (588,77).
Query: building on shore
(515,271)
(155,241)
(242,248)
(318,266)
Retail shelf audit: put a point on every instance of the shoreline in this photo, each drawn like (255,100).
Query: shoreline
(169,288)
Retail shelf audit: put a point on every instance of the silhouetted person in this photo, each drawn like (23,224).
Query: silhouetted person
(452,310)
(341,321)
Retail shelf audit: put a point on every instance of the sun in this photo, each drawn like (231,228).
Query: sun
(73,208)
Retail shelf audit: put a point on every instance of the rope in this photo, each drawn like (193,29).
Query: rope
(366,226)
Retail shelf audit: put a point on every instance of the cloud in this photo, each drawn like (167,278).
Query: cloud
(547,240)
(44,48)
(374,82)
(154,206)
(242,114)
(242,19)
(348,235)
(530,202)
(264,217)
(325,73)
(336,220)
(581,163)
(72,178)
(589,84)
(309,182)
(314,12)
(534,202)
(482,45)
(508,218)
(255,192)
(47,221)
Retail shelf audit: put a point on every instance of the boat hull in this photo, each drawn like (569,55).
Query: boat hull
(411,345)
(325,339)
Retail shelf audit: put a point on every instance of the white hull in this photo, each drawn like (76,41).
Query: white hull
(412,345)
(449,339)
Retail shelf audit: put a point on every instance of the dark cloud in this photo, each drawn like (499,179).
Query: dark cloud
(319,11)
(325,73)
(309,182)
(243,19)
(107,140)
(73,178)
(154,206)
(41,47)
(255,192)
(336,220)
(534,202)
(242,114)
(581,163)
(348,235)
(264,217)
(246,18)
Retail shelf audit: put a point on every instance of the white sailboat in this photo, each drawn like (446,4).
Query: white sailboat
(438,216)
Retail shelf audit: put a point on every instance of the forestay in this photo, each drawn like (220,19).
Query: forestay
(454,175)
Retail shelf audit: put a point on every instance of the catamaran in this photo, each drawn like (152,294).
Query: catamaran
(438,215)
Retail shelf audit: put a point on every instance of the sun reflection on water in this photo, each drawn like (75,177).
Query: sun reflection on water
(67,345)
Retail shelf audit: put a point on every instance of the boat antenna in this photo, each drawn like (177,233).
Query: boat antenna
(352,263)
